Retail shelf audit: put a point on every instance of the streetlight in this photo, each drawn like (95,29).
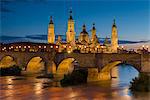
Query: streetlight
(28,46)
(51,46)
(122,46)
(69,46)
(39,46)
(143,46)
(56,46)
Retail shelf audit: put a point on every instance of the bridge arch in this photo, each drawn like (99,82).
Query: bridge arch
(112,64)
(7,61)
(105,72)
(65,67)
(38,63)
(35,64)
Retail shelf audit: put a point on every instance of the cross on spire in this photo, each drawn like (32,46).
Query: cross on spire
(84,27)
(93,26)
(70,14)
(51,20)
(114,23)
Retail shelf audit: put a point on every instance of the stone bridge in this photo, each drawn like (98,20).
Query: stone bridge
(141,62)
(94,62)
(99,65)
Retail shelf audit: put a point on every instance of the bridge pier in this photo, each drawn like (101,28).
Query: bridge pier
(104,76)
(49,67)
(145,63)
(92,74)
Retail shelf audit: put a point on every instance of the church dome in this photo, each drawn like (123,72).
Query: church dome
(84,30)
(84,37)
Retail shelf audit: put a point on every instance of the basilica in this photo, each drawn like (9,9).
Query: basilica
(84,43)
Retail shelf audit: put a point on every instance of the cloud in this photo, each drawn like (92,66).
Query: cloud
(43,38)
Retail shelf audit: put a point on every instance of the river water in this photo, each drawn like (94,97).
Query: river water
(31,88)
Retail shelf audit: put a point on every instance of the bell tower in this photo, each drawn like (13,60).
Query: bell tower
(114,38)
(51,34)
(93,31)
(70,34)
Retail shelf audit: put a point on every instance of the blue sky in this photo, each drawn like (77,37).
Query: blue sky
(31,17)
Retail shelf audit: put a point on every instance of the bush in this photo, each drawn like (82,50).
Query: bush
(77,77)
(142,83)
(9,71)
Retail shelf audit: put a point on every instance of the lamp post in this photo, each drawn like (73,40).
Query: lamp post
(143,47)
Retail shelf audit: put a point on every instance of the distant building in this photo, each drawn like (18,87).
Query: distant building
(114,38)
(94,38)
(70,34)
(51,33)
(84,37)
(84,43)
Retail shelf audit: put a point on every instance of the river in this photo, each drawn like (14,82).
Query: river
(31,88)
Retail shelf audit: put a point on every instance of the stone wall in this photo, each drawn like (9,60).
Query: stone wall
(145,63)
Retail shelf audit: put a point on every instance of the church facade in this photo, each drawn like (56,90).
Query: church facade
(84,43)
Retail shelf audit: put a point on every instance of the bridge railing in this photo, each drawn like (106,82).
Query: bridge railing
(28,48)
(36,47)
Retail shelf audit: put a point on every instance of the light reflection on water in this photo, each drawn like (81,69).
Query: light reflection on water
(31,88)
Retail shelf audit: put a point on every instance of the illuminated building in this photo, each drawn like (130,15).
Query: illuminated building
(51,33)
(70,34)
(84,37)
(84,43)
(114,38)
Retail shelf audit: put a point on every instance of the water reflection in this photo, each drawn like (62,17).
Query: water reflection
(23,87)
(38,88)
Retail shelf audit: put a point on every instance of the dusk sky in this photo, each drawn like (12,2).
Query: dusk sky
(31,17)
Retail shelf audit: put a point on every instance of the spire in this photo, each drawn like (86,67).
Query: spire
(114,24)
(51,21)
(94,26)
(70,12)
(84,27)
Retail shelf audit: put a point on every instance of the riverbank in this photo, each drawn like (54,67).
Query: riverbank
(10,71)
